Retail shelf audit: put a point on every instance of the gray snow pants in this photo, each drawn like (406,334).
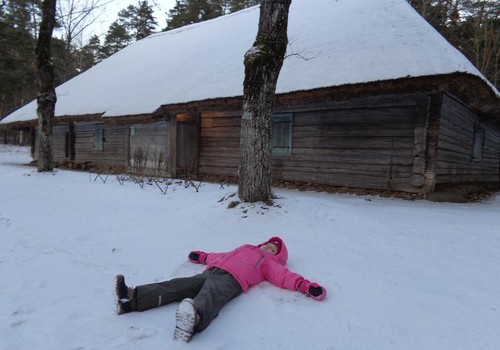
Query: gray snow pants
(211,290)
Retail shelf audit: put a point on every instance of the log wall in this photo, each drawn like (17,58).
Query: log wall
(220,143)
(115,145)
(394,142)
(455,163)
(364,143)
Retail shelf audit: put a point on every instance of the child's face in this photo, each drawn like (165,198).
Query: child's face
(270,248)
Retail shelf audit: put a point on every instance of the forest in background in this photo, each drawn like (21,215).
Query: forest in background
(472,26)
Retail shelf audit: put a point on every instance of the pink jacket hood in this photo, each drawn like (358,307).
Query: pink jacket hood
(282,254)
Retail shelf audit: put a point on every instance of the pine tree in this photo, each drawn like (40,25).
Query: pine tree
(89,54)
(18,19)
(193,11)
(236,5)
(139,20)
(479,37)
(134,23)
(472,26)
(116,39)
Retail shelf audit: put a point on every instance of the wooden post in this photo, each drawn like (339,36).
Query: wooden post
(420,150)
(172,147)
(432,137)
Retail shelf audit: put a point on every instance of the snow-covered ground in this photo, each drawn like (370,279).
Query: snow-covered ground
(400,274)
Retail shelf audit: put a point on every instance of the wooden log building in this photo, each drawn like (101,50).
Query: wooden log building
(406,132)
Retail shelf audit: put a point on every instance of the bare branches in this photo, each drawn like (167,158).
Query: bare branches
(301,54)
(76,16)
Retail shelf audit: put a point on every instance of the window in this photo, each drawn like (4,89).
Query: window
(478,145)
(282,134)
(98,139)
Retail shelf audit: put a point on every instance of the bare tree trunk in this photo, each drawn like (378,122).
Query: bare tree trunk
(47,96)
(262,67)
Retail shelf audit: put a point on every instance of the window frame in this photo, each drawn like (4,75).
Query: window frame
(478,140)
(98,144)
(282,118)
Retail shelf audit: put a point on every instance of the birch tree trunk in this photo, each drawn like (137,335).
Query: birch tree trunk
(46,98)
(262,67)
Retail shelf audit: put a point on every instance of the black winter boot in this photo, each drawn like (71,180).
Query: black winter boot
(123,307)
(125,296)
(121,289)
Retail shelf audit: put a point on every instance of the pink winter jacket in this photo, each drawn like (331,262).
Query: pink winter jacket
(250,265)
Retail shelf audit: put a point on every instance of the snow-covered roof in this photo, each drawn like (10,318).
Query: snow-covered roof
(345,41)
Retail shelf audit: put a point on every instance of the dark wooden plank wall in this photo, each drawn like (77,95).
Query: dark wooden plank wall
(220,143)
(187,146)
(455,145)
(355,145)
(367,143)
(114,150)
(59,144)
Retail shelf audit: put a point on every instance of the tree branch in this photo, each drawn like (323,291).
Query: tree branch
(301,54)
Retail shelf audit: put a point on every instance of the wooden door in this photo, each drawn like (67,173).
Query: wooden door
(187,145)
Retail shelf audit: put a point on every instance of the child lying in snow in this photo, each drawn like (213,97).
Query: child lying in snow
(227,276)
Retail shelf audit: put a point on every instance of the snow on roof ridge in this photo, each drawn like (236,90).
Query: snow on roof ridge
(200,24)
(350,42)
